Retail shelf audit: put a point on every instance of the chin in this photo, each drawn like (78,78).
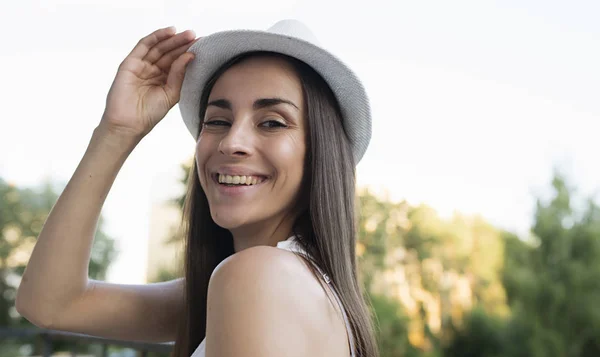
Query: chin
(228,219)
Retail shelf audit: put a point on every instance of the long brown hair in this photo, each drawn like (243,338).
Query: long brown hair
(325,227)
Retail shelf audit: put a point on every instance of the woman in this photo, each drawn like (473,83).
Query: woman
(276,149)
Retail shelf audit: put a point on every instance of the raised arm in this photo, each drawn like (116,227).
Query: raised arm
(55,291)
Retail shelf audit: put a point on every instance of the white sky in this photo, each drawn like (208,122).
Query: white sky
(474,102)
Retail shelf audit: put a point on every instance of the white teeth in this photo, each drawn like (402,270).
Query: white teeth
(238,180)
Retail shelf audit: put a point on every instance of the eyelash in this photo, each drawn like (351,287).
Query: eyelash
(224,123)
(214,122)
(278,124)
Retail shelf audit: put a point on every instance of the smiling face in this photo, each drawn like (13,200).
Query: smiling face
(251,148)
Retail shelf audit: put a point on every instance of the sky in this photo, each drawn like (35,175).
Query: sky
(474,103)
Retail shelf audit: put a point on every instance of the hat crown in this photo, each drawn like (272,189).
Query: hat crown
(295,29)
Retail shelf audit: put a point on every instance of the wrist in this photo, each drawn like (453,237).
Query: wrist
(116,139)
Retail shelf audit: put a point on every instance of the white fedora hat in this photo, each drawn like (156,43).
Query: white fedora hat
(291,38)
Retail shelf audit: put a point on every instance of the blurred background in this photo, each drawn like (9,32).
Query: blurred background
(479,227)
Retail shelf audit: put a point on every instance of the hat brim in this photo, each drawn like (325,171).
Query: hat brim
(213,51)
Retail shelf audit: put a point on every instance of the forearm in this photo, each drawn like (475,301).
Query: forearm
(57,272)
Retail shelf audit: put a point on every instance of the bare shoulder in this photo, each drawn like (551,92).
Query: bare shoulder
(265,301)
(267,271)
(271,264)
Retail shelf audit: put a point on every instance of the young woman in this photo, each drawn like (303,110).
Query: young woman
(270,266)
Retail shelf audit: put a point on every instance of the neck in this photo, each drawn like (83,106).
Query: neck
(262,233)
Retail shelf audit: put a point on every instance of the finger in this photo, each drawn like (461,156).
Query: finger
(146,43)
(167,59)
(169,44)
(150,71)
(139,68)
(176,75)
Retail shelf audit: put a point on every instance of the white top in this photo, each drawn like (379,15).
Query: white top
(292,245)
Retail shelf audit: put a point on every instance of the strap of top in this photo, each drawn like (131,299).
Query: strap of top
(291,244)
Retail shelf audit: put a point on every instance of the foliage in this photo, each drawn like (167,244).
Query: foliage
(552,285)
(436,269)
(480,335)
(555,284)
(392,328)
(23,212)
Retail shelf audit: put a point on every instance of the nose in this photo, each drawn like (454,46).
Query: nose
(237,141)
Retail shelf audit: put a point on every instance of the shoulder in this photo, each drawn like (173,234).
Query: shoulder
(266,261)
(262,301)
(263,271)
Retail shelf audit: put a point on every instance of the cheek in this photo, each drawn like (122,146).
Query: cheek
(290,154)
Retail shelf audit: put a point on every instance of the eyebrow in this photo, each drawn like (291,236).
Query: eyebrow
(258,104)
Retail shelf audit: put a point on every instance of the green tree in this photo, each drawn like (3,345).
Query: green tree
(553,284)
(480,335)
(392,333)
(23,212)
(436,269)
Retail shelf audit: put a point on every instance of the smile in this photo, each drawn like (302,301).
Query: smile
(233,180)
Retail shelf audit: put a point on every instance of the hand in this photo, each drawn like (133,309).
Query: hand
(148,82)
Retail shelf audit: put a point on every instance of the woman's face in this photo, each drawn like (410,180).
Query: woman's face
(250,151)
